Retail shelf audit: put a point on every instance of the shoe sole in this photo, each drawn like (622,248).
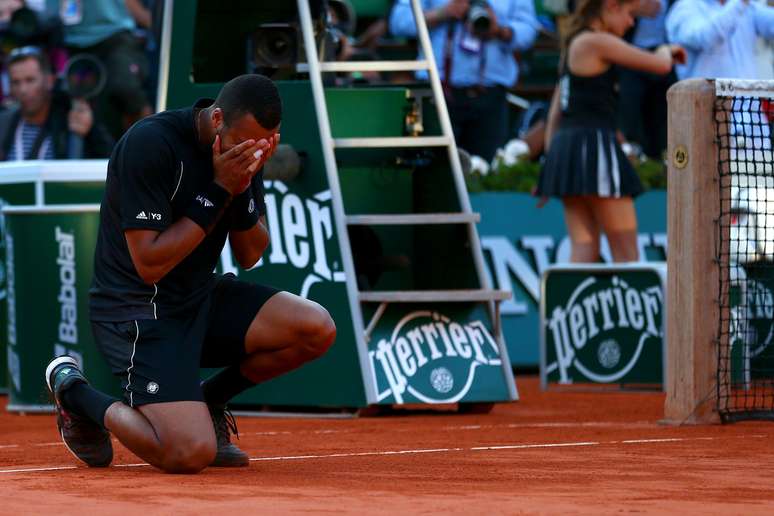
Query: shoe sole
(53,365)
(61,434)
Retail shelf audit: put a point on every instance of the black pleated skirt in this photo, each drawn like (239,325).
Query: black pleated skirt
(587,161)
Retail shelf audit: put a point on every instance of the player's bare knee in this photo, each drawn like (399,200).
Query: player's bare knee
(190,455)
(317,332)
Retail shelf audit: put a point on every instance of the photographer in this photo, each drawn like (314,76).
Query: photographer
(103,28)
(45,120)
(473,42)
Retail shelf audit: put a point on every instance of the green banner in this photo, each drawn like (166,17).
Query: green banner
(49,255)
(42,183)
(440,353)
(304,258)
(9,194)
(520,241)
(603,324)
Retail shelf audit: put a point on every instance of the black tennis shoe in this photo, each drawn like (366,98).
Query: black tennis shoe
(85,439)
(229,455)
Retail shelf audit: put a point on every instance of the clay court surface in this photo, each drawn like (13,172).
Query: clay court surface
(551,453)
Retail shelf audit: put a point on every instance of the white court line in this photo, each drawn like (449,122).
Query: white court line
(528,446)
(357,454)
(594,424)
(430,450)
(28,470)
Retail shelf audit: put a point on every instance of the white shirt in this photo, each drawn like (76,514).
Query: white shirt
(720,38)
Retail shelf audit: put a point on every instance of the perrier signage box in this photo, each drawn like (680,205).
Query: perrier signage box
(603,324)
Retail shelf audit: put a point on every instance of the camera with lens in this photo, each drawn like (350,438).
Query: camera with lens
(28,27)
(84,77)
(478,18)
(274,49)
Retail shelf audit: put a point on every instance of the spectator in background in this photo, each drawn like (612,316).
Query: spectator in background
(26,23)
(475,67)
(720,36)
(7,8)
(147,16)
(103,28)
(45,121)
(585,166)
(643,107)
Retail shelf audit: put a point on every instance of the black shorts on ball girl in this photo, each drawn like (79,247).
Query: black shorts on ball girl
(585,160)
(158,360)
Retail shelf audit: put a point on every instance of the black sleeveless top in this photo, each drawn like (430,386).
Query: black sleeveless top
(589,101)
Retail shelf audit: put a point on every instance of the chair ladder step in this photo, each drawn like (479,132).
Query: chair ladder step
(391,142)
(367,66)
(433,296)
(413,219)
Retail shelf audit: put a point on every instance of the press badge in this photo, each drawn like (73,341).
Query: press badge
(71,12)
(470,44)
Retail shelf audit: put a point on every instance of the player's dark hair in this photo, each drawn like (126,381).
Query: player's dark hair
(251,94)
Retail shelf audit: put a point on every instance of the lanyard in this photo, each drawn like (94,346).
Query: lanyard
(449,50)
(41,143)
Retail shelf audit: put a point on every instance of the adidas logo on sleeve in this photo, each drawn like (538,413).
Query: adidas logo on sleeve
(141,216)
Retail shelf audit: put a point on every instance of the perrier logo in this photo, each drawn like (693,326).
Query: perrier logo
(602,330)
(431,358)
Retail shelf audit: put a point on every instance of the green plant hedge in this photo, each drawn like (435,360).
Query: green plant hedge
(523,176)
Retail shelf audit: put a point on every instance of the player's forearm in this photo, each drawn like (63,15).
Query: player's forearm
(155,253)
(248,246)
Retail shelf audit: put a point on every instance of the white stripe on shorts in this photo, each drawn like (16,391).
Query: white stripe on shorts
(131,365)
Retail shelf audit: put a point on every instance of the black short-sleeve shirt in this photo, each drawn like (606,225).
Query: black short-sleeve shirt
(155,171)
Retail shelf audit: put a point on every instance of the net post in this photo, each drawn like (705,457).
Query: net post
(693,205)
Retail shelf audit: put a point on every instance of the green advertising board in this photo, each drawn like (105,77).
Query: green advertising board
(439,353)
(49,255)
(603,324)
(520,241)
(304,258)
(41,183)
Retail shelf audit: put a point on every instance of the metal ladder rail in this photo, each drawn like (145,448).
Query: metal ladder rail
(337,202)
(423,37)
(315,69)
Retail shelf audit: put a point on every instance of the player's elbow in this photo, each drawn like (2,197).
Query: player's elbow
(248,262)
(148,274)
(250,256)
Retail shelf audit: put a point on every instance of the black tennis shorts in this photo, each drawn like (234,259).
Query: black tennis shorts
(158,361)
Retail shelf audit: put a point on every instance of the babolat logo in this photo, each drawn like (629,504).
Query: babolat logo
(602,330)
(431,358)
